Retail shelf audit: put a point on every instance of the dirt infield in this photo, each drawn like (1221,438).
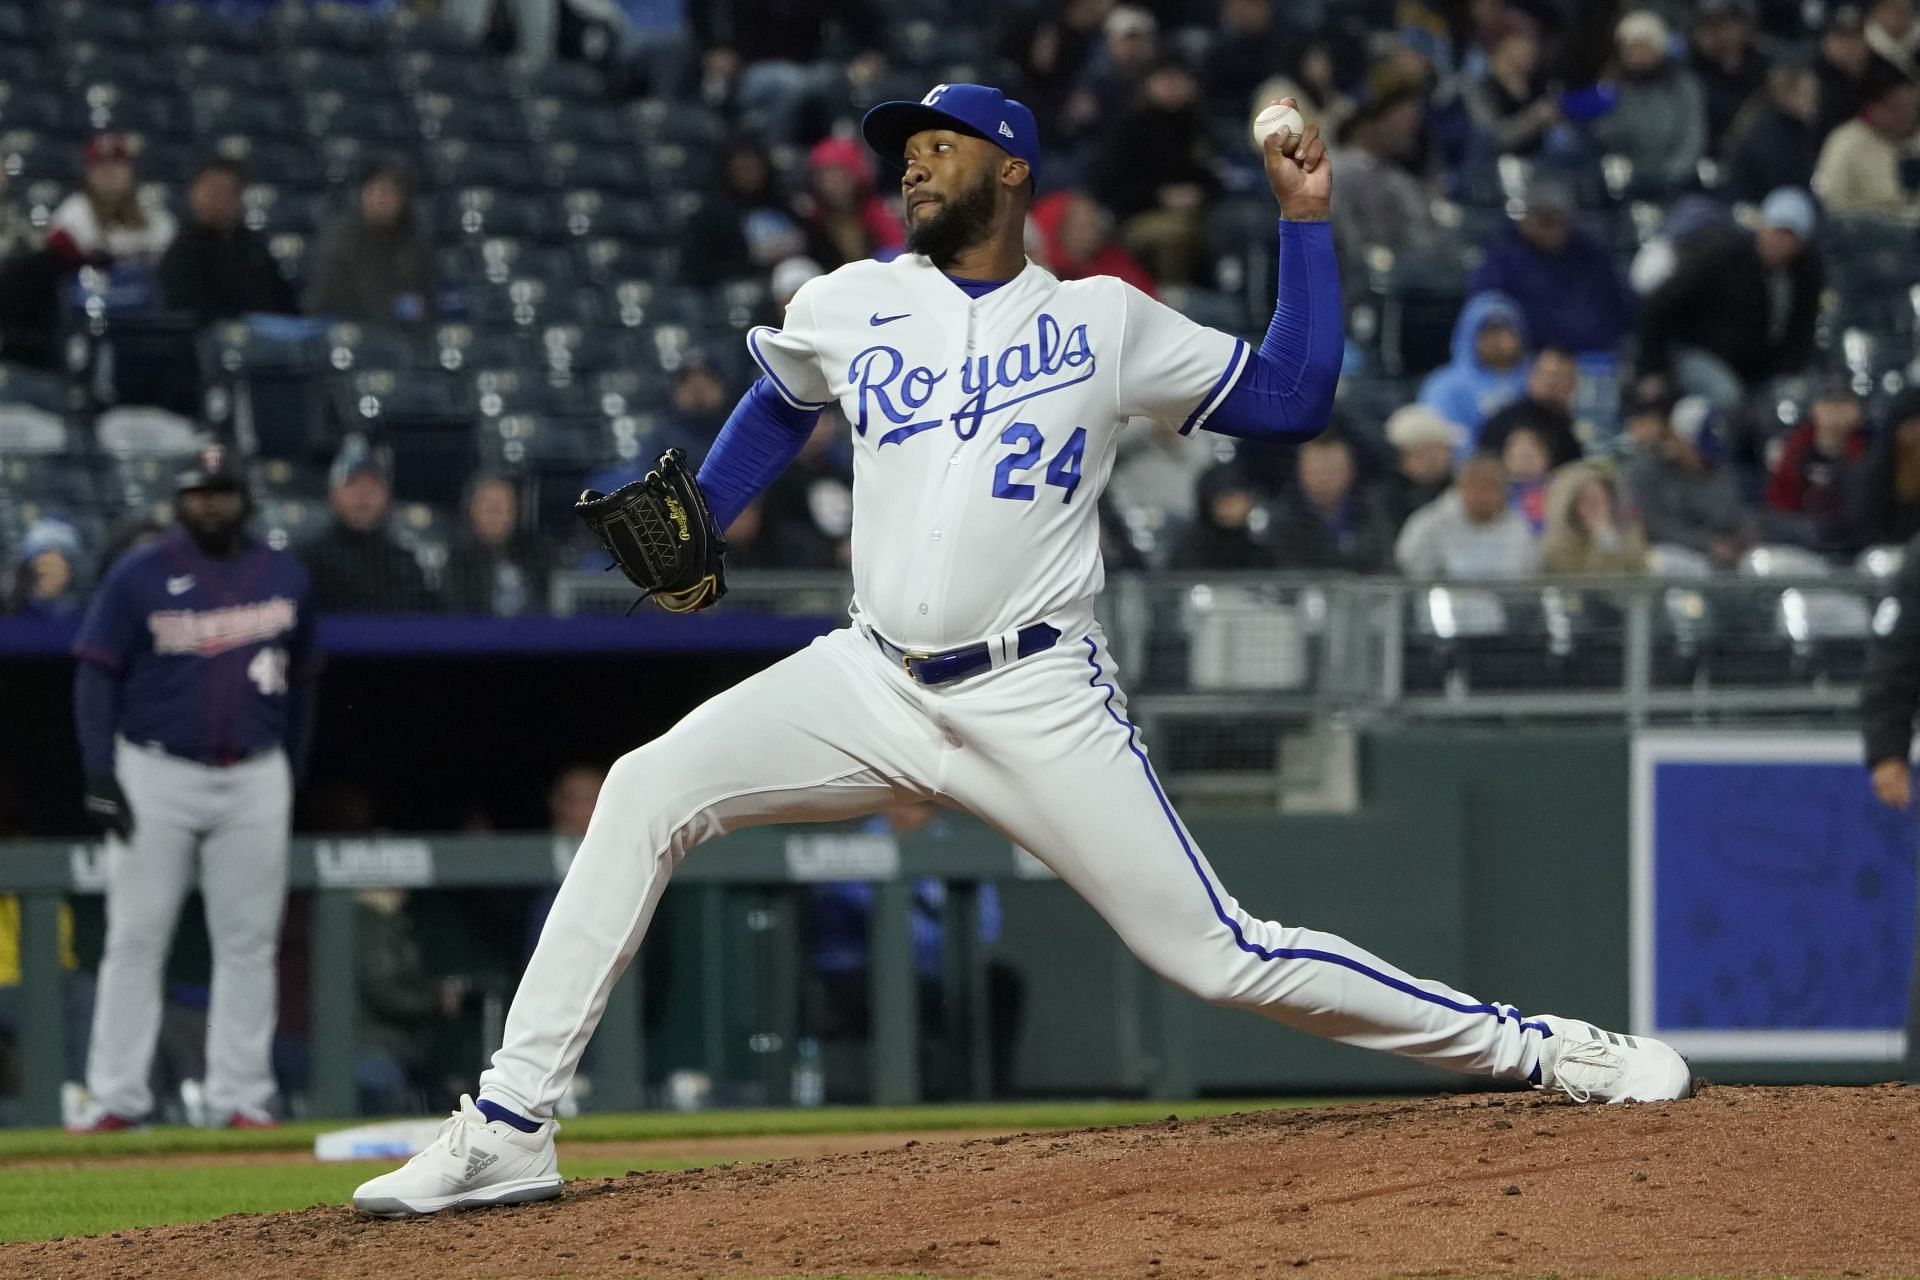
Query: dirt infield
(1736,1182)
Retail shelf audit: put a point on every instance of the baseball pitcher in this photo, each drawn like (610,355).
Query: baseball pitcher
(985,396)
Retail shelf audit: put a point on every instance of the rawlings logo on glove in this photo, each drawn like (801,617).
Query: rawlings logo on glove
(660,533)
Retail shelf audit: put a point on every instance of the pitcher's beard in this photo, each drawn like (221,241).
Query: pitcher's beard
(956,225)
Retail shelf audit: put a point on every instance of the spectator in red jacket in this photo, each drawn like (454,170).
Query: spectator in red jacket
(847,221)
(1804,495)
(1076,235)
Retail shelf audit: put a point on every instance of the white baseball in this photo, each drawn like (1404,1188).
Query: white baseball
(1274,119)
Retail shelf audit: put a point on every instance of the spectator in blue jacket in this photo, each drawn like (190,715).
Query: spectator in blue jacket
(1488,370)
(1564,281)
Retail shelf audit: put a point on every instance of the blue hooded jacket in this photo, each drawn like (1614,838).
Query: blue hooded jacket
(1465,391)
(1576,300)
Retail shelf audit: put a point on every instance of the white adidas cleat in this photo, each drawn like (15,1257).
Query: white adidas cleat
(471,1162)
(1591,1065)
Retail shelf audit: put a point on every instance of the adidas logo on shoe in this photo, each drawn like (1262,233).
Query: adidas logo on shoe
(479,1162)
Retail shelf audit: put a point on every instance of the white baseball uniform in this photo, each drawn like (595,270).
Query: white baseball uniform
(984,430)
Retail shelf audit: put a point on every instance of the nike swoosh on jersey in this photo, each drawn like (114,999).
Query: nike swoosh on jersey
(876,319)
(180,586)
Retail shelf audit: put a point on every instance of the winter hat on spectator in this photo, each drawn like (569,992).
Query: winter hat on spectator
(109,146)
(50,533)
(1416,424)
(1697,422)
(359,455)
(1789,209)
(1642,26)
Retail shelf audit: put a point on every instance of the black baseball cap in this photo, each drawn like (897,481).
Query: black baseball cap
(213,467)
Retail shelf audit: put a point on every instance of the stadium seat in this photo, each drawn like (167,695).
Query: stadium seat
(442,115)
(459,73)
(354,346)
(126,108)
(458,162)
(421,528)
(130,431)
(567,165)
(317,70)
(425,417)
(662,120)
(488,211)
(333,28)
(210,26)
(499,259)
(575,81)
(332,113)
(27,429)
(605,260)
(430,33)
(140,482)
(134,68)
(556,119)
(38,111)
(33,388)
(458,348)
(212,64)
(554,454)
(585,213)
(284,523)
(270,374)
(92,22)
(225,109)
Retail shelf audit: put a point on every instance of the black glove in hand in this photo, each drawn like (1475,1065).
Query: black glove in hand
(107,807)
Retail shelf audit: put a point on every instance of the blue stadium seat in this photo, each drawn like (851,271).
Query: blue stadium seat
(282,161)
(425,416)
(485,211)
(529,302)
(676,166)
(39,388)
(573,350)
(275,208)
(321,69)
(92,21)
(332,113)
(210,25)
(219,109)
(662,120)
(429,32)
(127,108)
(137,483)
(499,259)
(354,346)
(629,392)
(567,164)
(461,74)
(555,119)
(89,63)
(284,523)
(20,29)
(30,155)
(459,348)
(269,375)
(335,28)
(574,81)
(589,213)
(606,260)
(212,64)
(553,454)
(444,115)
(40,110)
(460,162)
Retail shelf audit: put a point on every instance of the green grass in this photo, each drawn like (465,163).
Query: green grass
(39,1204)
(73,1193)
(54,1144)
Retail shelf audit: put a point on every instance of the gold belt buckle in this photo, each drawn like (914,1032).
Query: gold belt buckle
(908,657)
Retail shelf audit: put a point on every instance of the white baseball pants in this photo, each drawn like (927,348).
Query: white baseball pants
(1041,750)
(237,820)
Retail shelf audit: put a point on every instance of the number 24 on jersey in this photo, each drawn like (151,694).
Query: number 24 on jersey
(1063,471)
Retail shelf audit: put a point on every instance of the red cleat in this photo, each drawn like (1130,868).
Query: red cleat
(242,1120)
(107,1122)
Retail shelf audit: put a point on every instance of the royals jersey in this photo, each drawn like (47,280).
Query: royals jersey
(984,429)
(203,648)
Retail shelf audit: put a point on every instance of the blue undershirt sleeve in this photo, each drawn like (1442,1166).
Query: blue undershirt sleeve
(96,712)
(1286,390)
(761,438)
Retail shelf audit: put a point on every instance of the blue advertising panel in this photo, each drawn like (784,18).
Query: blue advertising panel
(1773,898)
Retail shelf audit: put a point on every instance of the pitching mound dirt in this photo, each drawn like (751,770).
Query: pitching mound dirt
(1734,1183)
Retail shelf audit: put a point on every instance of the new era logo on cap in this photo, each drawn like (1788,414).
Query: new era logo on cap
(1006,130)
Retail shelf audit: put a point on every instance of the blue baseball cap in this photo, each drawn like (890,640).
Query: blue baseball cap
(978,109)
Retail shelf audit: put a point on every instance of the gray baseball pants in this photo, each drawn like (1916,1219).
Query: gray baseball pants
(236,820)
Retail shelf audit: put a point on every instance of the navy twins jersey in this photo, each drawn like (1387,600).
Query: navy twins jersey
(203,648)
(984,429)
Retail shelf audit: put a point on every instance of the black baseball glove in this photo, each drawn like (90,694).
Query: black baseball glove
(660,533)
(107,807)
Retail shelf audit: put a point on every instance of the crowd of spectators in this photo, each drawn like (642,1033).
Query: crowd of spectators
(1682,383)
